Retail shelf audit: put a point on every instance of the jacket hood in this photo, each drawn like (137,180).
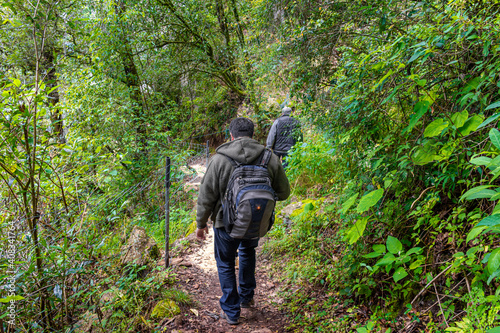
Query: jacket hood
(287,111)
(243,150)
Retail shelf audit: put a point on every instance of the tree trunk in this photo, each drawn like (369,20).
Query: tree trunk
(55,115)
(131,79)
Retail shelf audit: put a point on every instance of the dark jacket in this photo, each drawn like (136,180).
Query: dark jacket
(214,183)
(283,134)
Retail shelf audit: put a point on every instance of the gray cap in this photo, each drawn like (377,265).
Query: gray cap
(286,110)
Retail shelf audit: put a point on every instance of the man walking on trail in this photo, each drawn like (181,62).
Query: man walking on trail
(245,151)
(284,134)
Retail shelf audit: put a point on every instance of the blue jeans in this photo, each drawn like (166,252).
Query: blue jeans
(225,250)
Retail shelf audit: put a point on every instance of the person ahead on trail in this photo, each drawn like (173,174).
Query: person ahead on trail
(241,150)
(284,134)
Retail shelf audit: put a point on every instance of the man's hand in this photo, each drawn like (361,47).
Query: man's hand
(200,233)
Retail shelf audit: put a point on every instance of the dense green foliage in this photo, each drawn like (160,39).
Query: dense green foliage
(397,176)
(407,101)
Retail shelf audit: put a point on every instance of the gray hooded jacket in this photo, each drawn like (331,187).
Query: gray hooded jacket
(214,183)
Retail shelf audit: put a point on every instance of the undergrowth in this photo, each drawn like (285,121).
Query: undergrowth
(381,274)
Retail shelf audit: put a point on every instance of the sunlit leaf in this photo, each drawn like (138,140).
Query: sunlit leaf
(474,190)
(399,274)
(369,200)
(494,261)
(357,230)
(481,160)
(348,204)
(394,246)
(495,137)
(373,255)
(493,106)
(435,128)
(483,194)
(490,221)
(425,154)
(388,259)
(459,118)
(489,120)
(471,125)
(414,250)
(416,264)
(11,298)
(379,248)
(475,232)
(308,207)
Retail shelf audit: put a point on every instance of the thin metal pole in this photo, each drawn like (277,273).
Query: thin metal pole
(167,210)
(208,151)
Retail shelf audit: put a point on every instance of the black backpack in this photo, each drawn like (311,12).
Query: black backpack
(249,201)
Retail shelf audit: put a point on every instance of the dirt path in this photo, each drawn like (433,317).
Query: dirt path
(197,274)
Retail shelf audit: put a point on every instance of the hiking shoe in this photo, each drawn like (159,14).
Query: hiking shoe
(248,304)
(223,315)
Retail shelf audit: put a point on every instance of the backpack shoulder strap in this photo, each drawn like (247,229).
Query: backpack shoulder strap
(233,162)
(266,157)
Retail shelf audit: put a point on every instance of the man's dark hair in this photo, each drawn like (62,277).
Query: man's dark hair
(241,127)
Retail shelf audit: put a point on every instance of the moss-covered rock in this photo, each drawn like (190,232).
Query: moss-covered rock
(192,228)
(140,249)
(165,308)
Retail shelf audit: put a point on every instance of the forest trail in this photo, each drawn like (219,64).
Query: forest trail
(197,275)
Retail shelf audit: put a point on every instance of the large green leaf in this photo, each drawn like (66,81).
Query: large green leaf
(348,204)
(435,128)
(413,250)
(481,160)
(471,125)
(308,207)
(474,190)
(489,120)
(11,298)
(495,172)
(490,221)
(495,163)
(459,118)
(373,255)
(379,248)
(493,106)
(426,153)
(417,263)
(394,246)
(494,330)
(482,194)
(494,261)
(369,200)
(420,109)
(447,150)
(399,274)
(495,137)
(388,259)
(357,230)
(475,232)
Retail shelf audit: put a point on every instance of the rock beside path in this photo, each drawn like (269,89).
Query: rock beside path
(140,249)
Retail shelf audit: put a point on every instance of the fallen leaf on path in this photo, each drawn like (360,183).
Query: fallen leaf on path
(194,311)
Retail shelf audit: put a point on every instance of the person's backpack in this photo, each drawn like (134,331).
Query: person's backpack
(249,201)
